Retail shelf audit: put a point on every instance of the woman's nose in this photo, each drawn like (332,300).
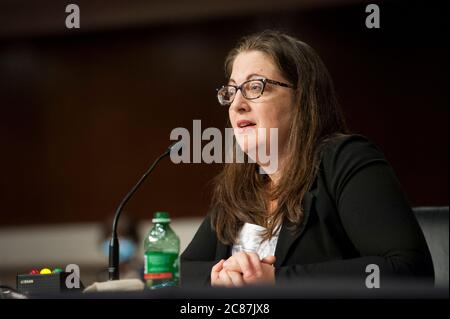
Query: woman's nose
(239,104)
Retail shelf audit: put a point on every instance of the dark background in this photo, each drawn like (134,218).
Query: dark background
(84,112)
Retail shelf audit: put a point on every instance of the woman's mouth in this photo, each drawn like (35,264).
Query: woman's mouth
(244,126)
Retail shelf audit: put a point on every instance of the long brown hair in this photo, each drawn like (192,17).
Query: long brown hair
(240,192)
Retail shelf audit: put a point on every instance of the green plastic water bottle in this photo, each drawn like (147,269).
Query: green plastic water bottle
(161,254)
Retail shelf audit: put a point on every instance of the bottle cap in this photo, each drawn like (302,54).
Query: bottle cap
(161,217)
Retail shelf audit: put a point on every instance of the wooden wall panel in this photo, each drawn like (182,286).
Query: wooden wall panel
(82,116)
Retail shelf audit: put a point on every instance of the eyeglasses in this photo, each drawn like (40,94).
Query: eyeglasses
(251,89)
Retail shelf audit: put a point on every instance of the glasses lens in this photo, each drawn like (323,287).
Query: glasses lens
(253,89)
(226,95)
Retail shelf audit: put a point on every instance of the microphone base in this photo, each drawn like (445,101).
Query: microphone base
(116,285)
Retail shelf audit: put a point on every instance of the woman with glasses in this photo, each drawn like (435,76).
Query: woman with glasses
(332,209)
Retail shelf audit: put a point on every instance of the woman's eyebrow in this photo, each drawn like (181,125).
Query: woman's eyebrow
(248,77)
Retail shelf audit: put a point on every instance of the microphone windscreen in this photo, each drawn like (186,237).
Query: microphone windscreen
(176,147)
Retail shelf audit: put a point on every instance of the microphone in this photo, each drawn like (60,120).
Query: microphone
(113,268)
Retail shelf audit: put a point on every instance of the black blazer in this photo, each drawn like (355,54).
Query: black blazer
(356,214)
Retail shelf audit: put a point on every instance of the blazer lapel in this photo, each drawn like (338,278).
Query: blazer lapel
(286,237)
(222,251)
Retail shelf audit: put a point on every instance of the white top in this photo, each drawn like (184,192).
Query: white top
(250,240)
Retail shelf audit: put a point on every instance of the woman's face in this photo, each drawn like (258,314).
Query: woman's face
(274,109)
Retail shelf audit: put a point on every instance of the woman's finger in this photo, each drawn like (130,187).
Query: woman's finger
(215,281)
(236,278)
(244,263)
(218,267)
(225,279)
(269,260)
(256,265)
(231,264)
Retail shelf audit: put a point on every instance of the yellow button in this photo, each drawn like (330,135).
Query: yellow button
(45,271)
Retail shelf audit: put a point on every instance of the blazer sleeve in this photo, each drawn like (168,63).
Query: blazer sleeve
(199,257)
(375,215)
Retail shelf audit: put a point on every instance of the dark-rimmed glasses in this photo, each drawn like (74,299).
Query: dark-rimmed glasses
(251,89)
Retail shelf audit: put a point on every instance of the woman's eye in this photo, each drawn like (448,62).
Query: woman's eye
(255,87)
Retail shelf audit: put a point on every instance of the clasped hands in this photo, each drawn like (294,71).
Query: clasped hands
(243,268)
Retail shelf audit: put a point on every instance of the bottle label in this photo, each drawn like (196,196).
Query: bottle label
(160,265)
